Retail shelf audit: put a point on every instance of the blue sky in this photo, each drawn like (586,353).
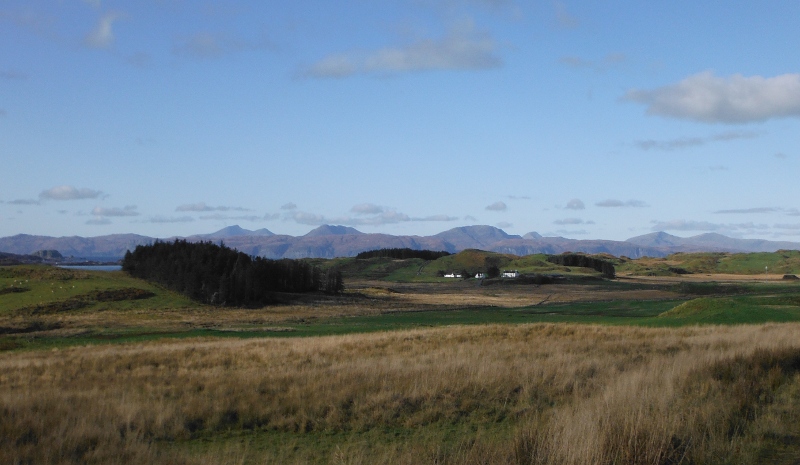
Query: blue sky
(584,119)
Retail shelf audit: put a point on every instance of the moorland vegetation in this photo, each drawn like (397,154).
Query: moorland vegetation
(406,367)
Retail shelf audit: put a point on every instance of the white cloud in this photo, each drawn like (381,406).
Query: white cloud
(462,48)
(128,210)
(736,99)
(289,206)
(497,207)
(69,193)
(575,204)
(614,203)
(102,36)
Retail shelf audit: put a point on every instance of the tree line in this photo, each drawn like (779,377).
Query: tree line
(584,261)
(219,275)
(402,254)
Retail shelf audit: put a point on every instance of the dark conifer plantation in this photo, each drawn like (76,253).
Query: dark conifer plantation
(402,254)
(584,261)
(219,275)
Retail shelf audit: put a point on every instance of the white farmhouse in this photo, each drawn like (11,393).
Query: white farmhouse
(510,274)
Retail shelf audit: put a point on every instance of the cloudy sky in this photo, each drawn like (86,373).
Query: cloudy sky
(581,118)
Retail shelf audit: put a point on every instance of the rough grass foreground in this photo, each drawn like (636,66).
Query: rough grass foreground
(561,394)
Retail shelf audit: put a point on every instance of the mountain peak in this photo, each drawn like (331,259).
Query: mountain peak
(657,239)
(333,230)
(235,231)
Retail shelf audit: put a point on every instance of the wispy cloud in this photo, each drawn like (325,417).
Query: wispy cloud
(749,210)
(11,75)
(367,209)
(69,193)
(570,221)
(378,218)
(169,219)
(688,142)
(202,207)
(497,207)
(604,64)
(128,210)
(251,218)
(565,19)
(102,36)
(213,45)
(98,221)
(711,99)
(568,232)
(575,204)
(463,48)
(691,225)
(23,202)
(289,206)
(615,203)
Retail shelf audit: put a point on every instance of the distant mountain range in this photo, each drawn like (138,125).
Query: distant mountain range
(329,241)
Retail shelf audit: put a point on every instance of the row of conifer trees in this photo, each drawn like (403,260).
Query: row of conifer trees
(219,275)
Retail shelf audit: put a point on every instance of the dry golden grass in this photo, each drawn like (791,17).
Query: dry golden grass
(568,393)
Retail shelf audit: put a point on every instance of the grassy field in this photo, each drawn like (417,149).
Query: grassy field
(97,367)
(781,262)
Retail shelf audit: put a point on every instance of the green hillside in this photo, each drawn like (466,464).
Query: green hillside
(780,262)
(38,290)
(471,260)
